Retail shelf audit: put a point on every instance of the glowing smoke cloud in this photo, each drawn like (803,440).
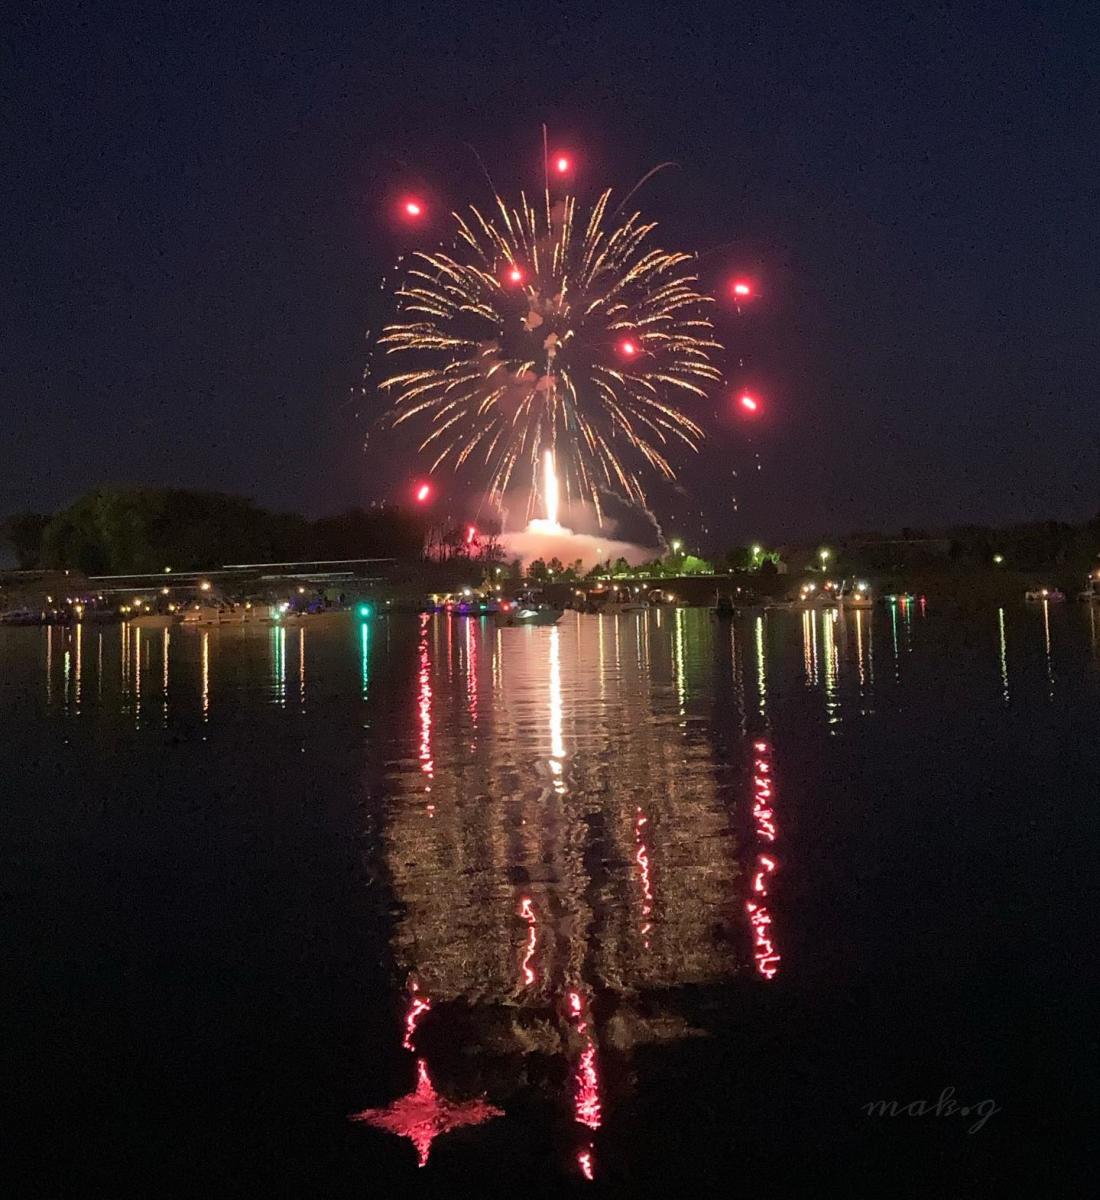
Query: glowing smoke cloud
(545,538)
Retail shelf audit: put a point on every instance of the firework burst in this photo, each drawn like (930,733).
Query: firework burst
(548,328)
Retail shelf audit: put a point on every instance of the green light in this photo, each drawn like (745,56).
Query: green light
(364,611)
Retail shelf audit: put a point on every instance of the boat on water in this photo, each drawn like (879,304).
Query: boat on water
(812,596)
(23,616)
(1090,594)
(207,615)
(511,615)
(325,618)
(855,595)
(742,601)
(221,616)
(1044,595)
(613,600)
(467,603)
(166,620)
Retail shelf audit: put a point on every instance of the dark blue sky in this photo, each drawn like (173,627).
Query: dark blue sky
(192,244)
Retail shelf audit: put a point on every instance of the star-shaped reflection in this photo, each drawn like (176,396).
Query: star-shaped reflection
(422,1115)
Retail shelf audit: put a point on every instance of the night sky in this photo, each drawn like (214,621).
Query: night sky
(195,231)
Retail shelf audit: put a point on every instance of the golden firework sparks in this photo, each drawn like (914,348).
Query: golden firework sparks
(549,329)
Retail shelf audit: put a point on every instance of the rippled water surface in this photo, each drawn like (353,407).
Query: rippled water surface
(625,903)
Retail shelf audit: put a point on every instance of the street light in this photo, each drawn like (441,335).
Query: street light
(676,544)
(823,554)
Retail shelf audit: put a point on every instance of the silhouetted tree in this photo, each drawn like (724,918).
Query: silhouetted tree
(23,532)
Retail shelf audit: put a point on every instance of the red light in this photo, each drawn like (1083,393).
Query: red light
(742,289)
(748,403)
(471,533)
(628,348)
(562,164)
(515,274)
(423,493)
(412,208)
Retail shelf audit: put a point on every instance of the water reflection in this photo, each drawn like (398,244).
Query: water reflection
(583,827)
(49,664)
(809,646)
(302,668)
(1046,650)
(678,656)
(205,635)
(278,664)
(832,666)
(166,643)
(1003,650)
(424,1114)
(137,677)
(765,954)
(761,671)
(585,860)
(557,745)
(424,698)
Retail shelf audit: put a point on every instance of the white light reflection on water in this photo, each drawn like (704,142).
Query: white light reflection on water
(761,670)
(1046,650)
(205,635)
(165,645)
(557,742)
(829,619)
(1003,648)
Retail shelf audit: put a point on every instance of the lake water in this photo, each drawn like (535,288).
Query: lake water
(653,899)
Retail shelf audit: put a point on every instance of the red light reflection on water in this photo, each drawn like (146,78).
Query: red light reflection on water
(588,1089)
(471,671)
(424,699)
(528,914)
(587,1110)
(765,955)
(641,857)
(418,1005)
(423,1114)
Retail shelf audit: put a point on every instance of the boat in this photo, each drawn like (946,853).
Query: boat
(23,616)
(1090,594)
(324,618)
(473,604)
(155,620)
(855,595)
(510,615)
(220,614)
(810,596)
(611,601)
(1044,595)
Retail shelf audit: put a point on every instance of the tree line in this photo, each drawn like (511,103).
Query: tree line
(122,530)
